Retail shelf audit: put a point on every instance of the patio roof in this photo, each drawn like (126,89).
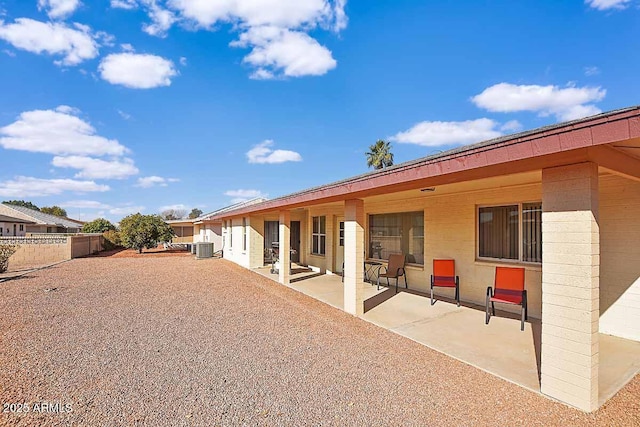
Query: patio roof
(5,218)
(44,218)
(564,143)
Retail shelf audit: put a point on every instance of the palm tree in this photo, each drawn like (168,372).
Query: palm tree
(379,155)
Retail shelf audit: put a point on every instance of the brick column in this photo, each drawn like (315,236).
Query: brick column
(570,284)
(285,245)
(354,257)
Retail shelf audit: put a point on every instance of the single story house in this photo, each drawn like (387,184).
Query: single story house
(562,201)
(204,228)
(11,226)
(40,221)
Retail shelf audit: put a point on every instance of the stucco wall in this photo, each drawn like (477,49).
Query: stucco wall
(6,229)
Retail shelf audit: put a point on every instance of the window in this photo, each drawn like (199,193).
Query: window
(341,230)
(500,231)
(21,227)
(230,233)
(319,235)
(244,234)
(532,232)
(397,233)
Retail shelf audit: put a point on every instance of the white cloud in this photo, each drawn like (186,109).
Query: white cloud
(124,115)
(126,210)
(127,47)
(566,103)
(276,31)
(137,71)
(91,168)
(153,181)
(162,19)
(341,19)
(243,195)
(276,51)
(25,186)
(124,4)
(283,13)
(262,153)
(511,126)
(57,9)
(183,61)
(176,207)
(591,71)
(608,4)
(58,131)
(84,204)
(435,134)
(54,38)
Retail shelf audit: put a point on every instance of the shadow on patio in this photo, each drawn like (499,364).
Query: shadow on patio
(499,348)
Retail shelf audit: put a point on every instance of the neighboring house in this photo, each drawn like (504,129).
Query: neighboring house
(11,226)
(562,201)
(204,228)
(41,222)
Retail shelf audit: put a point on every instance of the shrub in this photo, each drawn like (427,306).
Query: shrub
(111,240)
(99,225)
(5,253)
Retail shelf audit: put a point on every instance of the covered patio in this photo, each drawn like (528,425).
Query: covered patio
(499,348)
(560,204)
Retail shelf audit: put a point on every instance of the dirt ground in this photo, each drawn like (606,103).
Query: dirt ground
(164,339)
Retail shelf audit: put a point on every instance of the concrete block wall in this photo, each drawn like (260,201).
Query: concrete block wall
(85,245)
(450,232)
(38,251)
(620,257)
(570,284)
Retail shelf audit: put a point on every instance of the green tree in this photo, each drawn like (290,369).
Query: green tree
(99,225)
(195,213)
(139,231)
(22,203)
(379,155)
(54,210)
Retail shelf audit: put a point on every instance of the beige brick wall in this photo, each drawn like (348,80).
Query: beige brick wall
(570,284)
(450,232)
(49,251)
(620,257)
(354,257)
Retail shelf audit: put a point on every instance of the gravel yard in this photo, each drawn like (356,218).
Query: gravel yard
(152,340)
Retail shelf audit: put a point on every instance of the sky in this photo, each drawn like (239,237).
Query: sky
(112,107)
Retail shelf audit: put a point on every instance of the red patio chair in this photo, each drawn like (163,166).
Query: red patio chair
(444,276)
(508,288)
(394,270)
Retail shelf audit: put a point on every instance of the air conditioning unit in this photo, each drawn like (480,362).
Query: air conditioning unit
(204,250)
(193,248)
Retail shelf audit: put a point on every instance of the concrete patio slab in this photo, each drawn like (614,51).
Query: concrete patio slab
(499,348)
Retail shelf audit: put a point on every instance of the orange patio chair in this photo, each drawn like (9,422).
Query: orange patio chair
(394,270)
(444,276)
(508,288)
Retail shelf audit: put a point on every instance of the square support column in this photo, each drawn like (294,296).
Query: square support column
(354,257)
(284,273)
(570,284)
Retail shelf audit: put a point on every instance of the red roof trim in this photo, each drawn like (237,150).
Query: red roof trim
(601,129)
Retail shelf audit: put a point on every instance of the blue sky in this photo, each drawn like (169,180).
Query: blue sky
(111,107)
